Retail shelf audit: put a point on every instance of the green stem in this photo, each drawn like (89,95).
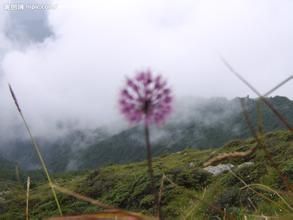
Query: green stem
(150,169)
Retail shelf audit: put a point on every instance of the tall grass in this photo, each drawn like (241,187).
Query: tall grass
(37,149)
(259,137)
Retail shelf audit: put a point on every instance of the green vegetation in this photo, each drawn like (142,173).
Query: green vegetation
(7,169)
(189,191)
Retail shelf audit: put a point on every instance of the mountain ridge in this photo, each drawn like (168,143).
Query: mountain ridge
(203,123)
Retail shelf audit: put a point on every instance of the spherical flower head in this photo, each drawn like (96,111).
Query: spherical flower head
(147,98)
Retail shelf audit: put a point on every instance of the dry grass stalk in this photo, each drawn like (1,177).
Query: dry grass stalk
(278,86)
(111,210)
(236,154)
(261,97)
(27,198)
(37,149)
(17,174)
(269,189)
(249,186)
(259,140)
(104,215)
(231,155)
(261,144)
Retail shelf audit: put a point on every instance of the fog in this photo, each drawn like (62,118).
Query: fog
(68,64)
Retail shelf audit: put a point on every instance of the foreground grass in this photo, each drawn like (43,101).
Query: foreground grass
(189,191)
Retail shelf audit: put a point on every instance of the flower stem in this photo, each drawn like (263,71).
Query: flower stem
(150,169)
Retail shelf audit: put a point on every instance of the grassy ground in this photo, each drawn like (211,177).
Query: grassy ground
(189,191)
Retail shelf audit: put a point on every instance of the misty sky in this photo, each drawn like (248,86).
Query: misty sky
(69,63)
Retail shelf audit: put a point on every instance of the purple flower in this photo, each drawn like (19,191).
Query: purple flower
(145,97)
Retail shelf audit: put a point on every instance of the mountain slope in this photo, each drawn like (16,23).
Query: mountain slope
(7,169)
(190,192)
(208,124)
(196,123)
(57,152)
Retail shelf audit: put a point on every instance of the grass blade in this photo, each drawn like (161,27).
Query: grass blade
(37,149)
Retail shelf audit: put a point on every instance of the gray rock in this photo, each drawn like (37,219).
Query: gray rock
(191,164)
(216,170)
(245,164)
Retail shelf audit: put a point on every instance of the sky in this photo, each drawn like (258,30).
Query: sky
(68,63)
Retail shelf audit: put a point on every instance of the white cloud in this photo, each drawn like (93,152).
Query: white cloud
(77,73)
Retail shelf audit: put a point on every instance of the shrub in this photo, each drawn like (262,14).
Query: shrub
(229,198)
(195,178)
(288,170)
(250,174)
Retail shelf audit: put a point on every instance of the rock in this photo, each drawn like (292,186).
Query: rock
(216,170)
(191,164)
(245,164)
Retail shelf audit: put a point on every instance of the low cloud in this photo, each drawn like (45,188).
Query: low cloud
(71,73)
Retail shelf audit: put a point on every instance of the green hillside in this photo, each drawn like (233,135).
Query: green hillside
(210,124)
(189,192)
(7,169)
